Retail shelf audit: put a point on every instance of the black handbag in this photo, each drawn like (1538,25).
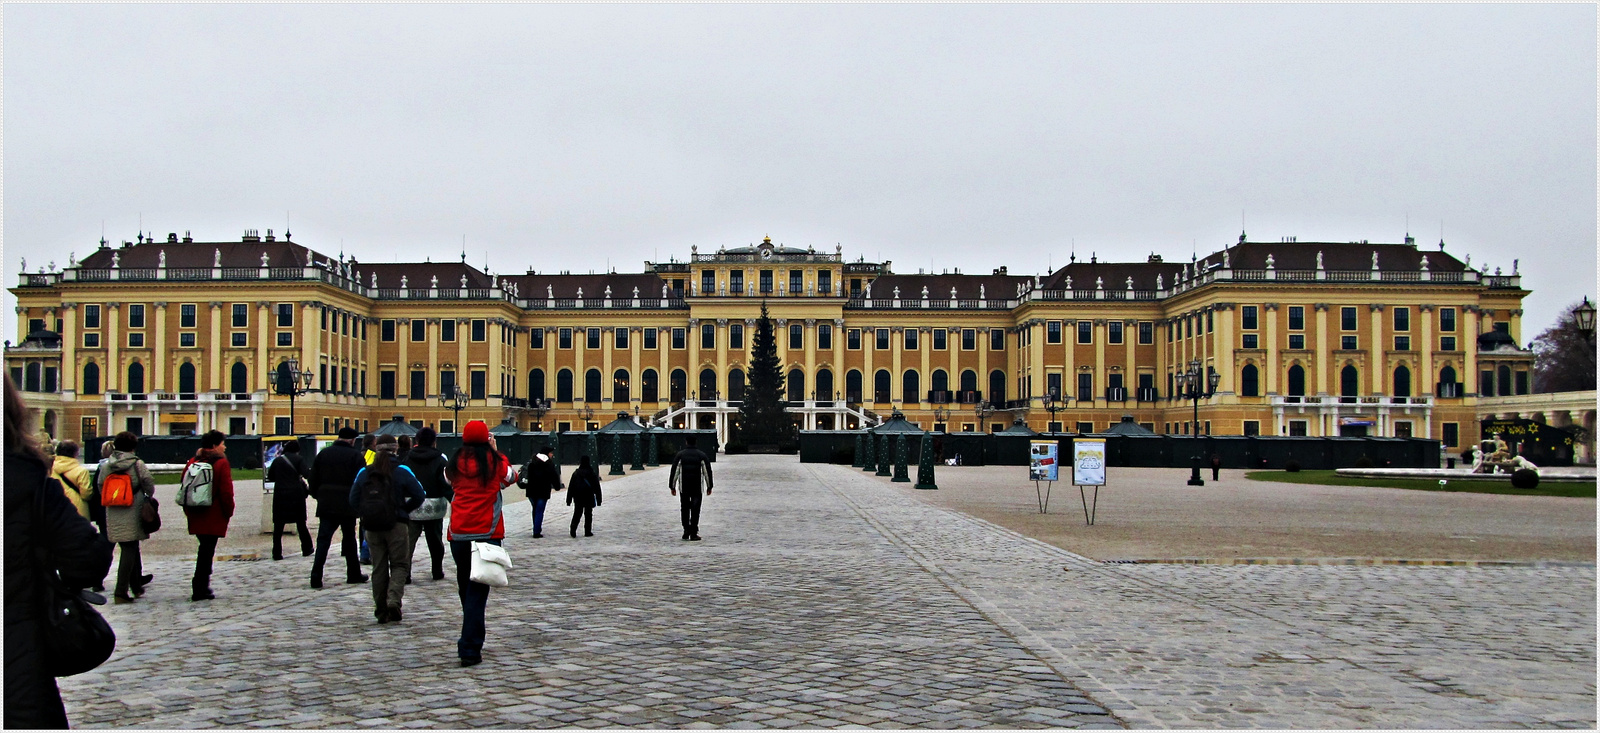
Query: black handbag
(76,637)
(150,515)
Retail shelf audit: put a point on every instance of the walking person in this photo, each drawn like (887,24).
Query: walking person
(39,523)
(583,496)
(289,493)
(76,481)
(209,524)
(689,464)
(385,493)
(539,478)
(123,523)
(367,455)
(478,474)
(428,465)
(332,473)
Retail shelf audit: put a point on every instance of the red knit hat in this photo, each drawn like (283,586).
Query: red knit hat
(477,431)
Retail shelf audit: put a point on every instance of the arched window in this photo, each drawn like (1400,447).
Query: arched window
(591,385)
(1297,381)
(1402,381)
(708,385)
(91,378)
(1249,381)
(136,378)
(648,387)
(969,381)
(564,385)
(30,383)
(940,381)
(880,386)
(619,386)
(1447,375)
(1349,381)
(997,387)
(536,384)
(736,385)
(796,384)
(911,386)
(239,378)
(679,385)
(1503,389)
(824,384)
(852,386)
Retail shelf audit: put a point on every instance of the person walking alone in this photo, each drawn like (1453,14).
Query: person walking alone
(428,465)
(209,524)
(539,478)
(332,473)
(289,494)
(123,523)
(76,481)
(583,496)
(688,465)
(478,474)
(385,493)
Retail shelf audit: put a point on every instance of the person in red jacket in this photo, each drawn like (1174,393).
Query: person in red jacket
(210,523)
(477,473)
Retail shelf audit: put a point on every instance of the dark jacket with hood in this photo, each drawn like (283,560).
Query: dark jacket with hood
(332,473)
(539,477)
(405,491)
(428,464)
(584,488)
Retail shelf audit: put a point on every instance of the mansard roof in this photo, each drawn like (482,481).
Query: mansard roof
(1114,275)
(540,285)
(421,274)
(967,287)
(1335,256)
(281,253)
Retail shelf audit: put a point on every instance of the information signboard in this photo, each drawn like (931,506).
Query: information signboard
(1089,461)
(1043,461)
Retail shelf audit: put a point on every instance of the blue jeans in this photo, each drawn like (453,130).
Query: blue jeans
(538,514)
(474,600)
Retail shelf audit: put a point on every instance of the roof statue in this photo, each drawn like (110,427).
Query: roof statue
(116,261)
(663,291)
(25,262)
(1319,259)
(635,292)
(897,292)
(1130,282)
(1374,259)
(981,294)
(403,281)
(1226,264)
(1515,264)
(1424,263)
(161,259)
(72,258)
(580,293)
(463,281)
(1069,283)
(868,293)
(549,291)
(1159,284)
(1099,283)
(1272,262)
(435,282)
(1468,263)
(374,279)
(265,259)
(608,292)
(952,292)
(494,281)
(216,258)
(924,292)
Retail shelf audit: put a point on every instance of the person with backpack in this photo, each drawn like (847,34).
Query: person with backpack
(207,508)
(538,479)
(75,480)
(385,493)
(124,485)
(688,464)
(583,496)
(289,492)
(332,474)
(478,474)
(367,455)
(428,465)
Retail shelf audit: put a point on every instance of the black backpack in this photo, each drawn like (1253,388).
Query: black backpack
(377,502)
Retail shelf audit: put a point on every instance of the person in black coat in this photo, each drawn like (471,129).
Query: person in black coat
(539,478)
(428,465)
(583,496)
(688,465)
(332,474)
(289,492)
(77,551)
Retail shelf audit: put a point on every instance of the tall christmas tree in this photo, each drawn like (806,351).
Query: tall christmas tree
(761,416)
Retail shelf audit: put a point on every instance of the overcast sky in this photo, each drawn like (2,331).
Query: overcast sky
(573,136)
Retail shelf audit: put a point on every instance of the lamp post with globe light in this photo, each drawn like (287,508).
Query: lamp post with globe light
(1196,384)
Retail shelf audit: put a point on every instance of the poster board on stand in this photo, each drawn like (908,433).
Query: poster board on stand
(1089,469)
(1044,467)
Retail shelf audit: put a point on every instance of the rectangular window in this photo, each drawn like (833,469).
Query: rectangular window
(1052,332)
(824,337)
(852,339)
(286,338)
(1114,332)
(1451,434)
(386,329)
(419,330)
(1297,318)
(1348,343)
(536,337)
(324,312)
(447,329)
(91,316)
(241,315)
(1297,428)
(1171,328)
(135,315)
(1486,384)
(736,280)
(969,339)
(1147,332)
(1297,341)
(1347,318)
(285,315)
(912,338)
(1251,341)
(385,384)
(1402,343)
(480,329)
(1210,323)
(564,338)
(797,281)
(186,339)
(241,339)
(419,384)
(825,282)
(1052,385)
(1085,332)
(708,336)
(1247,318)
(447,381)
(619,337)
(708,282)
(881,339)
(1252,427)
(480,384)
(591,338)
(855,287)
(1402,319)
(997,339)
(797,336)
(941,339)
(135,340)
(766,281)
(679,338)
(1522,383)
(1447,343)
(650,339)
(1447,321)
(1086,386)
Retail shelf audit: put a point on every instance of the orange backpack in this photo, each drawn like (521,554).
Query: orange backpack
(117,490)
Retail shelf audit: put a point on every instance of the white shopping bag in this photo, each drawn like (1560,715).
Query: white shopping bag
(489,565)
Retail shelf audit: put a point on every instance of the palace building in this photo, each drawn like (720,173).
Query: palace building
(1330,338)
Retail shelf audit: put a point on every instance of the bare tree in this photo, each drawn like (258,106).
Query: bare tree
(1564,357)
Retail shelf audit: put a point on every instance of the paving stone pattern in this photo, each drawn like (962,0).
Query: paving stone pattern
(799,609)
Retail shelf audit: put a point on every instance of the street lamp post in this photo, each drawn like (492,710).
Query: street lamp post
(941,416)
(1194,385)
(1053,406)
(1584,315)
(455,399)
(293,381)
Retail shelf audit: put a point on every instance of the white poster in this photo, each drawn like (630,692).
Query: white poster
(1089,461)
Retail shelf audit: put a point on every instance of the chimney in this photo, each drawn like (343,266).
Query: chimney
(172,237)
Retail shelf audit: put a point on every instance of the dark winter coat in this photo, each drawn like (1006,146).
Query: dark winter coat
(213,520)
(688,465)
(540,477)
(406,494)
(584,488)
(80,554)
(289,490)
(332,473)
(428,464)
